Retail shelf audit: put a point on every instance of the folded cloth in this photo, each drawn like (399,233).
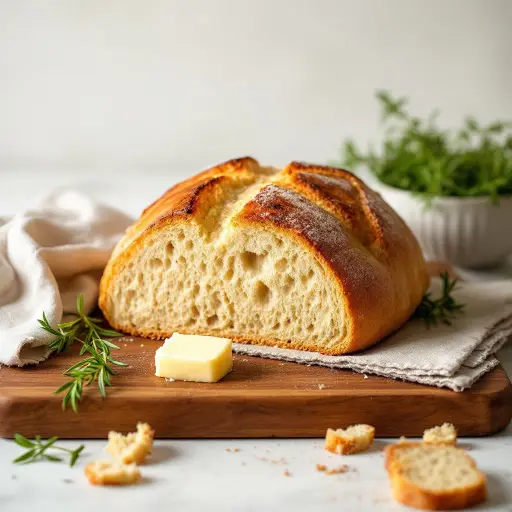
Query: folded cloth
(56,251)
(48,256)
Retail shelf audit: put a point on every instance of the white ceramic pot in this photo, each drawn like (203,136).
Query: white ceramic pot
(469,232)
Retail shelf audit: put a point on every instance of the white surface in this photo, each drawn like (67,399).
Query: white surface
(201,475)
(185,83)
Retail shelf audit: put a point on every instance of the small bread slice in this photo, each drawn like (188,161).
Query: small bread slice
(134,447)
(354,439)
(445,434)
(434,477)
(104,472)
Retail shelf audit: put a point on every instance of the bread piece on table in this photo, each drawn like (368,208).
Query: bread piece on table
(354,439)
(444,434)
(134,447)
(106,472)
(434,477)
(307,258)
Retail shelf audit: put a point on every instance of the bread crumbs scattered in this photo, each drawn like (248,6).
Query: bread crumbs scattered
(365,376)
(321,386)
(232,450)
(334,471)
(142,344)
(287,473)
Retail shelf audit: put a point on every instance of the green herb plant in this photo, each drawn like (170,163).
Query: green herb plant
(440,310)
(96,367)
(38,450)
(417,155)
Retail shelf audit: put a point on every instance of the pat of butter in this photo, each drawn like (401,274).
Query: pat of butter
(194,358)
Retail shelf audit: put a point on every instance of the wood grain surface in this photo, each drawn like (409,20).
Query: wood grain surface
(259,398)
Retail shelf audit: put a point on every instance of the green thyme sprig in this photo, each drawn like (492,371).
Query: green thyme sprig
(38,450)
(417,155)
(440,310)
(97,367)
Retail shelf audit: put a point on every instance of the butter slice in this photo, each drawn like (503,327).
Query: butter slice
(194,358)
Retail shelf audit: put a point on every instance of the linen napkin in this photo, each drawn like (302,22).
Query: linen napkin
(48,256)
(57,250)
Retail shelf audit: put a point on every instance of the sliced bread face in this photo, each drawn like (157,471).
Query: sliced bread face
(434,477)
(306,258)
(257,284)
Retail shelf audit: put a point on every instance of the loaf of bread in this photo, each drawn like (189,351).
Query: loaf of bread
(307,257)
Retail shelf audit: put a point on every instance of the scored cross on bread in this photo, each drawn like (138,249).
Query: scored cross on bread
(307,257)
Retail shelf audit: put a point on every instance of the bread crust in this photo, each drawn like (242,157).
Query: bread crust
(363,245)
(408,493)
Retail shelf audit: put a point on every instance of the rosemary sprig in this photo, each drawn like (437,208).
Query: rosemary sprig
(37,450)
(440,310)
(98,366)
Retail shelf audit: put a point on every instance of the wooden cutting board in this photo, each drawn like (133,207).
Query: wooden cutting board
(260,398)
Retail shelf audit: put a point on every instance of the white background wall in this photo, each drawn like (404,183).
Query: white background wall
(117,85)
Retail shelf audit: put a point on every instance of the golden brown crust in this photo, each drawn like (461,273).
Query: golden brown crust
(361,242)
(408,493)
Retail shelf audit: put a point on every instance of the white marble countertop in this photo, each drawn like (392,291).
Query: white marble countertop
(194,475)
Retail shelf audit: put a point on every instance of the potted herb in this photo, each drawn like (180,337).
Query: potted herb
(453,187)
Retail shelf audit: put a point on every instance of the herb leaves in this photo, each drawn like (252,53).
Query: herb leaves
(38,450)
(97,367)
(440,310)
(418,156)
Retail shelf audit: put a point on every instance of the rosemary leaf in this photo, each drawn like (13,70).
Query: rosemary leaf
(96,367)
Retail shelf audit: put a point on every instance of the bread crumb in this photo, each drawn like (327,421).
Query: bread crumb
(444,434)
(321,386)
(365,376)
(111,473)
(337,470)
(134,447)
(228,449)
(403,439)
(286,473)
(332,471)
(354,439)
(142,344)
(236,450)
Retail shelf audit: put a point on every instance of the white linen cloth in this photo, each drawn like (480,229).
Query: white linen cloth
(48,256)
(56,251)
